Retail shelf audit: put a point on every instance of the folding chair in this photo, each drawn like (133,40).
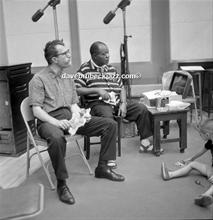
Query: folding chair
(169,81)
(40,145)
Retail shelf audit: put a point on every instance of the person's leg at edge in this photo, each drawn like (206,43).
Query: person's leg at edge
(183,171)
(202,200)
(106,128)
(206,198)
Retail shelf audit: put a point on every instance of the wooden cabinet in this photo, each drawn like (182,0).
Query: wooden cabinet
(13,89)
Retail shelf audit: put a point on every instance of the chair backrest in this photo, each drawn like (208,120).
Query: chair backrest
(28,117)
(166,79)
(184,78)
(181,83)
(178,81)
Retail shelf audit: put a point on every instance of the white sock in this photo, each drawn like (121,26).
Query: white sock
(145,142)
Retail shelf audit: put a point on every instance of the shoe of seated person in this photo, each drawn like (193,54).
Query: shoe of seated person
(65,195)
(112,164)
(203,200)
(107,173)
(164,172)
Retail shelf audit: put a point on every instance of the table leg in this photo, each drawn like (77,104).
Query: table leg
(183,132)
(200,97)
(156,138)
(165,129)
(210,94)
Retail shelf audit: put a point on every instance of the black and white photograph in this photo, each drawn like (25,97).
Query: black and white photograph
(106,109)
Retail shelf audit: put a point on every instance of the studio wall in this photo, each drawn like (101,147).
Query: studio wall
(191,29)
(25,39)
(163,31)
(92,28)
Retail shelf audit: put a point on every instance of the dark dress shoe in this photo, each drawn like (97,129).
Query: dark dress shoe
(65,195)
(107,173)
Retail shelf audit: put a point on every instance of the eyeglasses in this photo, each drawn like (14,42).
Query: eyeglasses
(64,53)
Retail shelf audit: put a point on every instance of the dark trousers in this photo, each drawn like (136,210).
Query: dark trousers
(136,112)
(97,126)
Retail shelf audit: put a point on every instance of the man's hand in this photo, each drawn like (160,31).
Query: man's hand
(104,94)
(184,162)
(63,124)
(122,110)
(187,161)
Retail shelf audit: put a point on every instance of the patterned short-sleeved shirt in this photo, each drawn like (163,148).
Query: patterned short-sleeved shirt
(105,77)
(51,92)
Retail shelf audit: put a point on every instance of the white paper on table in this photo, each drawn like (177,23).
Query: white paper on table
(159,93)
(177,105)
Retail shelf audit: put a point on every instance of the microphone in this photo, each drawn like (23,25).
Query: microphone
(40,12)
(37,15)
(109,16)
(124,3)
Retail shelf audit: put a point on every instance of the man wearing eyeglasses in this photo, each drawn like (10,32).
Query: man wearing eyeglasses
(54,100)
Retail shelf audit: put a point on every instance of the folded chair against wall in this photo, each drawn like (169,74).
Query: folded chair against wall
(182,83)
(40,145)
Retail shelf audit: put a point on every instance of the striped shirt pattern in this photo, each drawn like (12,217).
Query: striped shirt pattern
(92,76)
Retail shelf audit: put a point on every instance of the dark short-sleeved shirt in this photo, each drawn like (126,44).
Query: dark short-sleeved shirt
(51,92)
(209,145)
(91,76)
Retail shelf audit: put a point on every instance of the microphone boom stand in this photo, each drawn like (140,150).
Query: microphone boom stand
(55,23)
(123,47)
(124,57)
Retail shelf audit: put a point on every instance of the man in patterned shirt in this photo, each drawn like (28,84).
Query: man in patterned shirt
(96,79)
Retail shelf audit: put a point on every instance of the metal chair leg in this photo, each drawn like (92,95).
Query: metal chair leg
(44,167)
(84,158)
